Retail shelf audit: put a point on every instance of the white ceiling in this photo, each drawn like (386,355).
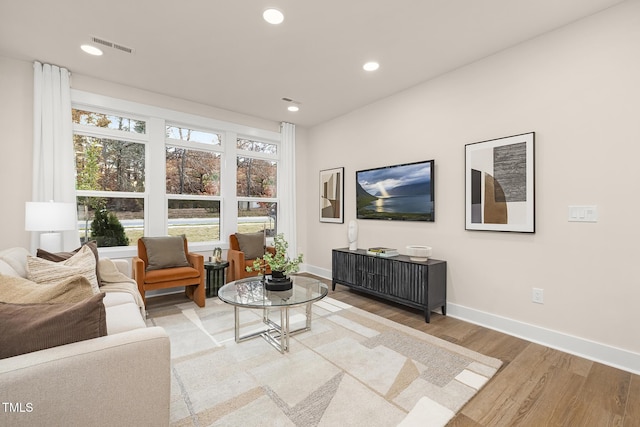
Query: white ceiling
(221,53)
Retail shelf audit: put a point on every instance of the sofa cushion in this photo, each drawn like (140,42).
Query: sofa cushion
(111,299)
(69,289)
(165,252)
(124,317)
(252,244)
(7,270)
(84,263)
(31,327)
(17,259)
(63,256)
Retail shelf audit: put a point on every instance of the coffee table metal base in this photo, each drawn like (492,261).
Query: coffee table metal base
(274,334)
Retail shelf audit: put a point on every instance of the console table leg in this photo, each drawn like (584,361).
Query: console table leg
(427,315)
(444,310)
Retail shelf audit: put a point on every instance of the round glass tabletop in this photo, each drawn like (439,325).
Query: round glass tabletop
(251,293)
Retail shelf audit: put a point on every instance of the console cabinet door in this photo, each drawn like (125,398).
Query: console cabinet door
(416,284)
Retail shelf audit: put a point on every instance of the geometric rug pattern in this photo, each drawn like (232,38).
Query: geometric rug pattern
(352,368)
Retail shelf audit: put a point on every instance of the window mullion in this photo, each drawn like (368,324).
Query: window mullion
(156,212)
(228,185)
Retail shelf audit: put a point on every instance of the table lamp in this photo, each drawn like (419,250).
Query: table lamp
(50,217)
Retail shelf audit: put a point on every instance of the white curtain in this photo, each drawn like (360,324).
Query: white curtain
(287,220)
(53,156)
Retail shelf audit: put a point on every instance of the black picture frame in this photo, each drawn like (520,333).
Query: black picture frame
(500,184)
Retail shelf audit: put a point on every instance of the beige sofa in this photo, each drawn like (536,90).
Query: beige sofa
(122,378)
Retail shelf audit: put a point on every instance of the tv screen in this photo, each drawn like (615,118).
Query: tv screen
(399,192)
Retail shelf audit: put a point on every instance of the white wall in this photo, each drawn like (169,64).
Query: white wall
(16,141)
(578,89)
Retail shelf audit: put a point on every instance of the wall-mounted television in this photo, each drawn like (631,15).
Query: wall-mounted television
(399,192)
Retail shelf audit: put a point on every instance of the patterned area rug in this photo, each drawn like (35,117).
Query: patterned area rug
(352,369)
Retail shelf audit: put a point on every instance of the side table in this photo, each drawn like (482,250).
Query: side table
(214,276)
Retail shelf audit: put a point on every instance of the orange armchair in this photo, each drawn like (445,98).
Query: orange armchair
(238,262)
(165,262)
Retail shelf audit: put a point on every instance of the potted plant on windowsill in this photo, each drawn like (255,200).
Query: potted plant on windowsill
(280,263)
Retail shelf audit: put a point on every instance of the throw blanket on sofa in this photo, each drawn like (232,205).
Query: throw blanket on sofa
(18,290)
(113,280)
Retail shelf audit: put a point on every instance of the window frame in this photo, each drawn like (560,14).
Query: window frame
(155,196)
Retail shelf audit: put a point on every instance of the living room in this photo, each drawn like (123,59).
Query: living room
(574,86)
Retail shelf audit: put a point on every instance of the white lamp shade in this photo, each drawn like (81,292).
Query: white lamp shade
(49,216)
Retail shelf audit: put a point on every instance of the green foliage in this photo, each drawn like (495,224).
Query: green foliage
(107,230)
(88,176)
(280,261)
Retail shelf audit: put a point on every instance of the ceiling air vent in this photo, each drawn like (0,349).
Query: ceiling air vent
(112,45)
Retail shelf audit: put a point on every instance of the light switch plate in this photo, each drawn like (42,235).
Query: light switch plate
(583,213)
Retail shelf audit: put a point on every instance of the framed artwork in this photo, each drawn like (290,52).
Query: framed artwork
(499,184)
(332,195)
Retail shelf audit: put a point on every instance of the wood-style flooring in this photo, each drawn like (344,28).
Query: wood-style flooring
(536,385)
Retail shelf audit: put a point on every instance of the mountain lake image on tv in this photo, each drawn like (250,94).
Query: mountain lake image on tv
(399,192)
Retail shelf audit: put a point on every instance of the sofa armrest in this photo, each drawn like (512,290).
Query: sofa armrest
(123,266)
(121,379)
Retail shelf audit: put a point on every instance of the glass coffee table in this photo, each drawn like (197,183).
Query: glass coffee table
(250,293)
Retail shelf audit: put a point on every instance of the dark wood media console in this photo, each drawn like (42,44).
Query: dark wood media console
(415,284)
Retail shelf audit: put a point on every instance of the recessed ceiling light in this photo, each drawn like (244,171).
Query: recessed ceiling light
(371,66)
(91,50)
(293,108)
(273,16)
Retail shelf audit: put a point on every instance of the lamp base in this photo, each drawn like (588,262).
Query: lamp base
(51,242)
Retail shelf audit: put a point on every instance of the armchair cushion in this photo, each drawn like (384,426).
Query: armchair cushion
(252,244)
(171,274)
(165,252)
(31,327)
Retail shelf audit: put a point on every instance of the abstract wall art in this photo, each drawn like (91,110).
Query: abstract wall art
(499,184)
(332,195)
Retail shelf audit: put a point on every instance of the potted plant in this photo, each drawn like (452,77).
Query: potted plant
(280,263)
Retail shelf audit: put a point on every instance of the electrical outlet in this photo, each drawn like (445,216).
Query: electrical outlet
(537,295)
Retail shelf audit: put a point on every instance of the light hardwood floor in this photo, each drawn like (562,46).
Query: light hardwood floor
(536,386)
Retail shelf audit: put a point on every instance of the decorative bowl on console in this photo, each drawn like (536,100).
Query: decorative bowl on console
(419,253)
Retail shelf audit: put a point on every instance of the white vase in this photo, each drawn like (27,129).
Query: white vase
(352,235)
(419,253)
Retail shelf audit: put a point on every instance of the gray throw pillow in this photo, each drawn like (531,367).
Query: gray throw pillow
(252,244)
(31,327)
(165,252)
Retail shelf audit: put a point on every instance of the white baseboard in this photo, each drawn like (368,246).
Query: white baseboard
(598,352)
(591,350)
(321,272)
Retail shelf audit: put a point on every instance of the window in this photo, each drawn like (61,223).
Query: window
(258,216)
(192,171)
(107,121)
(256,186)
(192,160)
(198,220)
(110,177)
(111,221)
(148,171)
